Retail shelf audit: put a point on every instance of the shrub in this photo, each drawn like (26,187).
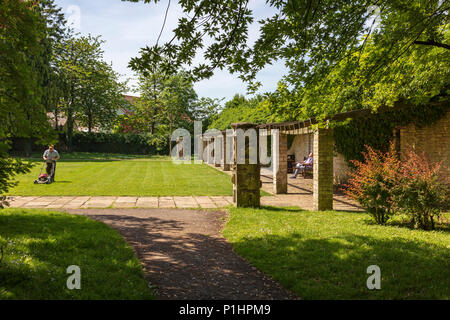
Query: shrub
(373,181)
(420,194)
(10,167)
(125,143)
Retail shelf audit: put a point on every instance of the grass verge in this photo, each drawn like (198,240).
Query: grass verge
(39,245)
(325,255)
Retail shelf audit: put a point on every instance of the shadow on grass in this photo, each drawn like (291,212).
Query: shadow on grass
(336,268)
(282,209)
(186,264)
(40,247)
(443,226)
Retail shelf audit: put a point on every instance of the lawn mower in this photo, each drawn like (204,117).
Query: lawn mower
(45,178)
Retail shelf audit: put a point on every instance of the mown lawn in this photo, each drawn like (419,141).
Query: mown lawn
(325,255)
(38,246)
(106,175)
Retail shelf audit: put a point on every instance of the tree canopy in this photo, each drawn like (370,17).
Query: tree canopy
(315,38)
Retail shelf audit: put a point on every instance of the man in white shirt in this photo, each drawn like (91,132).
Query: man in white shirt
(50,156)
(303,165)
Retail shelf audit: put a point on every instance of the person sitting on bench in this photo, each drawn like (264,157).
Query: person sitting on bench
(302,165)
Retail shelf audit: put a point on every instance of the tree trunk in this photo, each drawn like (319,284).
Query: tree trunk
(89,121)
(70,119)
(56,119)
(28,147)
(69,128)
(152,127)
(170,139)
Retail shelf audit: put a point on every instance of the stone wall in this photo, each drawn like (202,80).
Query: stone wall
(434,140)
(303,145)
(340,167)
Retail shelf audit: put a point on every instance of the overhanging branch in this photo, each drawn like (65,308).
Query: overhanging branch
(433,43)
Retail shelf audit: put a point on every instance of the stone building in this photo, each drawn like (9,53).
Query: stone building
(433,140)
(329,168)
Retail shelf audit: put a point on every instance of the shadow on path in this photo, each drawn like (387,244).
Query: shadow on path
(185,255)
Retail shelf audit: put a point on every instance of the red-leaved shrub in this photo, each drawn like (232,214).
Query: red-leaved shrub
(384,185)
(420,194)
(373,181)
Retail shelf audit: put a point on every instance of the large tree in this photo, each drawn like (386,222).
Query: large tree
(92,92)
(22,113)
(313,37)
(101,93)
(49,77)
(167,101)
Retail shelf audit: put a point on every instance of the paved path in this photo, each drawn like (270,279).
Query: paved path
(301,199)
(65,202)
(185,256)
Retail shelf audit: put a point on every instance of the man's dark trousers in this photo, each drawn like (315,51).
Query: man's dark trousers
(49,170)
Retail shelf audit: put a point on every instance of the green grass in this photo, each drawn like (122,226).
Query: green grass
(40,245)
(100,175)
(325,255)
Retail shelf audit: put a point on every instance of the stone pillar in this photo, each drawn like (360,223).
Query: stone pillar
(205,150)
(210,151)
(198,158)
(224,163)
(323,170)
(217,151)
(246,175)
(279,161)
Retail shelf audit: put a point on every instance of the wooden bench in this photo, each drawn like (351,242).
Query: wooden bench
(308,170)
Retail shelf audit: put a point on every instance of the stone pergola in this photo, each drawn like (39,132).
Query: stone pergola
(246,176)
(323,149)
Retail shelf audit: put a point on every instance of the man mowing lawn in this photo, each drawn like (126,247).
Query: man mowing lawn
(50,156)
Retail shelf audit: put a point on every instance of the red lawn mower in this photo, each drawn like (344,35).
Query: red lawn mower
(45,178)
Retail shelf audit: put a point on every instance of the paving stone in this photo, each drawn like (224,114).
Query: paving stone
(17,204)
(229,199)
(103,198)
(54,206)
(166,203)
(203,199)
(84,198)
(102,204)
(27,199)
(207,205)
(35,207)
(126,199)
(147,202)
(37,204)
(185,202)
(124,205)
(217,198)
(72,207)
(221,204)
(99,202)
(125,202)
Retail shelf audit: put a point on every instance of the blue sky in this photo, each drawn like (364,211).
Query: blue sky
(127,26)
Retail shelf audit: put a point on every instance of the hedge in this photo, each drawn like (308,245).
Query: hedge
(127,143)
